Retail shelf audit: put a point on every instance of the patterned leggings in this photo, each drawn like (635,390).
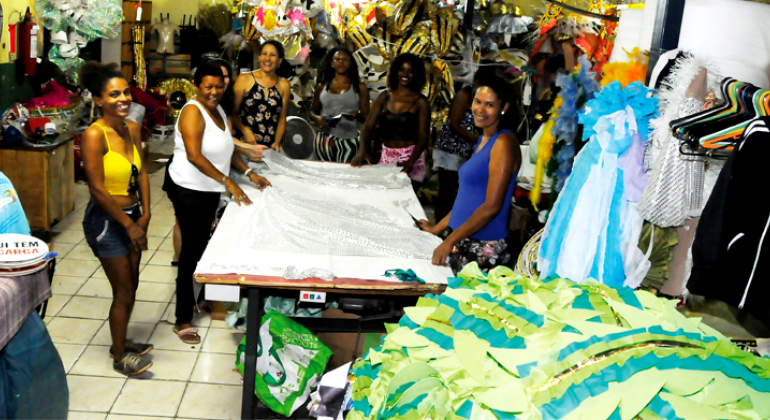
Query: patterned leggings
(334,149)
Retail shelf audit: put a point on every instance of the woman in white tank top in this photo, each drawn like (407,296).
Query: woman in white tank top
(196,177)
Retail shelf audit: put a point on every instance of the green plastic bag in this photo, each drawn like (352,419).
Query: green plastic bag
(290,362)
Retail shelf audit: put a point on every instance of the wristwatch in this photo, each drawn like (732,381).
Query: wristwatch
(224,179)
(248,171)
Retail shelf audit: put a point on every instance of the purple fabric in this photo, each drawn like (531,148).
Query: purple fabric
(632,164)
(18,298)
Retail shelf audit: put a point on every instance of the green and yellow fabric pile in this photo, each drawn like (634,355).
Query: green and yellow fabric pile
(505,346)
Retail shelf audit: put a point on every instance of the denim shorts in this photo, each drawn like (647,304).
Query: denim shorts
(106,237)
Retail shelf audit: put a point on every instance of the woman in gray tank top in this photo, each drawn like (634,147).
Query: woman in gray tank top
(340,100)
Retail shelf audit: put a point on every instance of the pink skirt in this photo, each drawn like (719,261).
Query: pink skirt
(402,154)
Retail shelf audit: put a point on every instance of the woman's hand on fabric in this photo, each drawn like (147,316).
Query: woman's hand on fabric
(255,153)
(260,181)
(441,253)
(276,146)
(138,237)
(360,159)
(407,166)
(425,226)
(238,195)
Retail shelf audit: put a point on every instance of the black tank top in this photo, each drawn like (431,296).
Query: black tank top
(402,126)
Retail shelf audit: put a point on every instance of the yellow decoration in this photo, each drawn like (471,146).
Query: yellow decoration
(440,83)
(446,28)
(626,73)
(249,32)
(418,43)
(438,118)
(552,11)
(404,17)
(169,86)
(544,153)
(356,33)
(270,19)
(504,7)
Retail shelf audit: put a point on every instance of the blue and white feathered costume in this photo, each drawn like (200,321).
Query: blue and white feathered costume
(594,226)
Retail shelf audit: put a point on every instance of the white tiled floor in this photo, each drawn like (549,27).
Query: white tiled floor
(185,381)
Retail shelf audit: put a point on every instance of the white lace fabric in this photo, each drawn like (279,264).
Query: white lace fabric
(286,223)
(345,176)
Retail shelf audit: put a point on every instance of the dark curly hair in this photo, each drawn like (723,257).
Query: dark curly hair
(418,71)
(207,68)
(278,46)
(228,99)
(94,76)
(328,72)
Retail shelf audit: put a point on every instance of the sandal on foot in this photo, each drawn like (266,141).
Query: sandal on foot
(188,335)
(138,348)
(131,364)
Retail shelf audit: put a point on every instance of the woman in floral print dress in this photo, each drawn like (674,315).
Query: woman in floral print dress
(262,99)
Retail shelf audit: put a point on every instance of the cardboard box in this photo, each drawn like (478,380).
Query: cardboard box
(178,64)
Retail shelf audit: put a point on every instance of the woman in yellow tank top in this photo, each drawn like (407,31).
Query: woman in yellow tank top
(116,218)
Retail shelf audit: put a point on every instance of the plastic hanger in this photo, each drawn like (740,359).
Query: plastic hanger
(725,87)
(735,121)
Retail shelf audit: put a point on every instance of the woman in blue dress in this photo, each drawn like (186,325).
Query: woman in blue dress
(479,218)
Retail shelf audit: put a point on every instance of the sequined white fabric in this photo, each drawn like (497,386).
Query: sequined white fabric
(676,181)
(292,273)
(368,177)
(286,223)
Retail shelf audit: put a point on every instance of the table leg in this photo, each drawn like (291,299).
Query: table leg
(253,321)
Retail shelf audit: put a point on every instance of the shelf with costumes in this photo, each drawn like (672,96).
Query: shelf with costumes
(655,239)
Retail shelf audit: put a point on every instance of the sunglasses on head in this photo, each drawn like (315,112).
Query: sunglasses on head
(133,182)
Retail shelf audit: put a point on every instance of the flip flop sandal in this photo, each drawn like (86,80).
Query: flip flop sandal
(188,335)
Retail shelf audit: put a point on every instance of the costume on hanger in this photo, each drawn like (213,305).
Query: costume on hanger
(731,250)
(675,188)
(593,229)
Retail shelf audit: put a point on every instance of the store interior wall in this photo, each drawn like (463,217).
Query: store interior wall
(11,10)
(734,33)
(634,30)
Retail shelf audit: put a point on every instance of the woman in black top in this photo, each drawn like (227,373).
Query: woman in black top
(403,117)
